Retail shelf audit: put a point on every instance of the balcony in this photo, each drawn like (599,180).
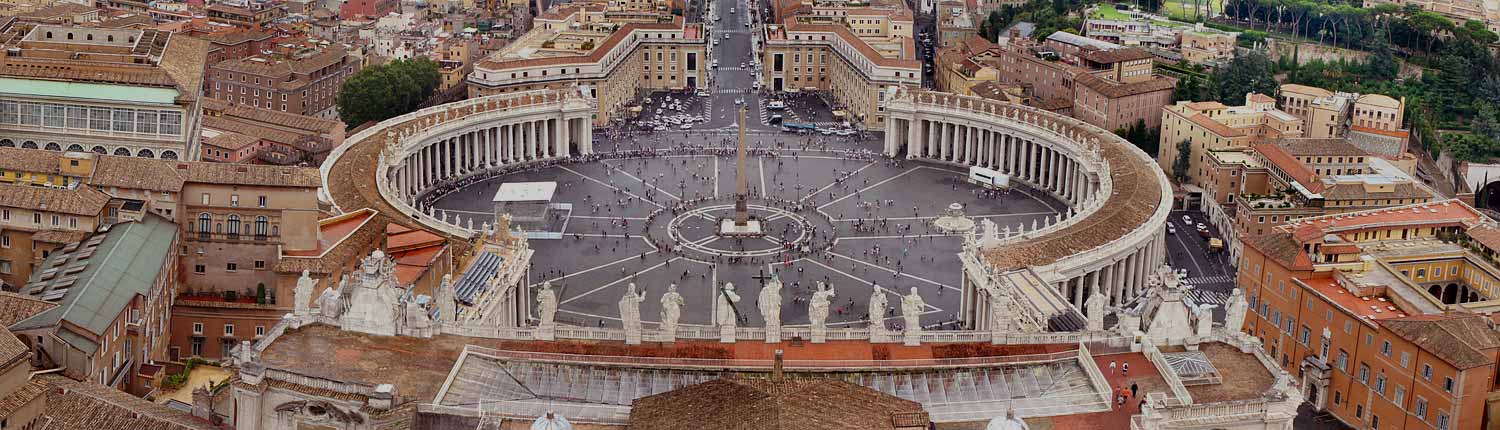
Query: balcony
(1266,201)
(233,237)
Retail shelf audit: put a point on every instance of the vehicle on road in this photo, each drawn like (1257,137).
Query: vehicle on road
(726,37)
(702,93)
(755,85)
(845,132)
(825,131)
(793,127)
(686,126)
(715,64)
(776,105)
(731,11)
(1171,228)
(775,119)
(1215,244)
(1187,220)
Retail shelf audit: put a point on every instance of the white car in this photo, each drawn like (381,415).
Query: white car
(731,11)
(685,126)
(1171,229)
(1187,220)
(702,93)
(726,37)
(716,43)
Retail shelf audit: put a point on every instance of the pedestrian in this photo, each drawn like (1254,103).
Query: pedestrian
(1132,389)
(1124,368)
(1112,366)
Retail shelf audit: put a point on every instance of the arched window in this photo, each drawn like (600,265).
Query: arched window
(53,146)
(169,155)
(145,153)
(122,152)
(261,226)
(28,144)
(75,148)
(7,143)
(99,150)
(205,223)
(234,226)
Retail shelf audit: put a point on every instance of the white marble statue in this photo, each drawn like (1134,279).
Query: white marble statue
(724,306)
(546,304)
(877,307)
(303,295)
(1205,319)
(1095,308)
(447,301)
(331,302)
(817,308)
(1234,318)
(630,308)
(911,311)
(770,301)
(671,309)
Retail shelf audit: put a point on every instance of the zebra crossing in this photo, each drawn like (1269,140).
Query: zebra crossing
(1218,279)
(1203,297)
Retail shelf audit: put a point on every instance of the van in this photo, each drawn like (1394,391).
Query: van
(775,119)
(776,105)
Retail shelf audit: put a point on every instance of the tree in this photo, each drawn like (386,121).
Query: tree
(1382,64)
(1182,163)
(1247,73)
(384,91)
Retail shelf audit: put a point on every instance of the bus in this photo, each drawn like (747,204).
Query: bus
(988,178)
(798,128)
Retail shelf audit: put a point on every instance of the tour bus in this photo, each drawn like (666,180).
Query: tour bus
(798,128)
(988,178)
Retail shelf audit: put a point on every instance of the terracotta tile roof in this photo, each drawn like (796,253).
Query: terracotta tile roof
(235,36)
(284,119)
(1304,89)
(1214,126)
(1261,98)
(1447,213)
(1116,90)
(184,62)
(1390,133)
(1462,340)
(1357,191)
(135,173)
(11,350)
(281,68)
(1201,106)
(15,307)
(594,56)
(330,259)
(1279,246)
(61,9)
(1312,147)
(1110,56)
(907,58)
(1277,155)
(29,160)
(83,200)
(240,174)
(251,129)
(1486,234)
(15,400)
(81,405)
(230,140)
(764,404)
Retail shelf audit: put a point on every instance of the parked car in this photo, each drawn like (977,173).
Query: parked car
(1171,229)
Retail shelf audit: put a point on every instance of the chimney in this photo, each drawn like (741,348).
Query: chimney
(776,368)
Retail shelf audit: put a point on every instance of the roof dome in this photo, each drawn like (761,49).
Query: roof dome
(551,421)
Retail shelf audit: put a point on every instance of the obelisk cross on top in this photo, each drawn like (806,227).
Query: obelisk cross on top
(741,184)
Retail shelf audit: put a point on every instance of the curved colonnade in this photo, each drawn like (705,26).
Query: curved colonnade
(415,152)
(1111,240)
(1113,237)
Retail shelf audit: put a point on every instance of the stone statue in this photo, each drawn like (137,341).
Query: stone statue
(1234,318)
(331,302)
(911,311)
(303,295)
(877,307)
(817,308)
(671,309)
(770,301)
(1205,319)
(546,304)
(630,309)
(1095,308)
(724,306)
(447,307)
(1000,314)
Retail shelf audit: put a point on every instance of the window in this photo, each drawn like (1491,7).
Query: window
(1398,396)
(1364,373)
(1302,337)
(231,267)
(197,328)
(1405,359)
(1427,372)
(260,330)
(206,199)
(260,201)
(199,269)
(260,264)
(36,218)
(234,200)
(205,223)
(1442,423)
(4,241)
(1343,361)
(1385,348)
(1448,385)
(1380,384)
(228,330)
(1421,409)
(261,225)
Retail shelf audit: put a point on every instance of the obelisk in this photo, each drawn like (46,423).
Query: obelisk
(741,184)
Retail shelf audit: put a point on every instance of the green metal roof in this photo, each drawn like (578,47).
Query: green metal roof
(115,267)
(87,90)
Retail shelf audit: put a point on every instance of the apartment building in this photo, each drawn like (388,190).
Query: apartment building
(243,133)
(1194,43)
(614,57)
(1108,85)
(108,91)
(854,53)
(251,15)
(1381,313)
(114,293)
(293,79)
